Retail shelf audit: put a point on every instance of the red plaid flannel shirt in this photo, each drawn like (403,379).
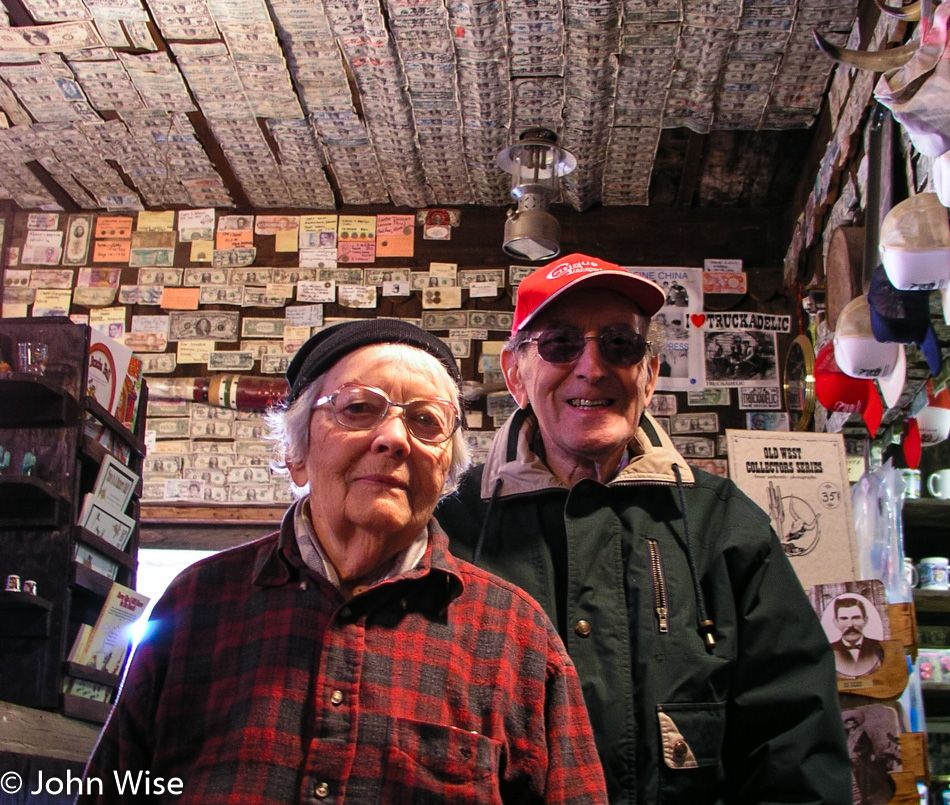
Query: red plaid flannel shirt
(258,683)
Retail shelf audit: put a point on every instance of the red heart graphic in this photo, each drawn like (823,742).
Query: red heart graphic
(697,319)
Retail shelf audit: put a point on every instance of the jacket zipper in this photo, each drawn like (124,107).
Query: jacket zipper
(659,588)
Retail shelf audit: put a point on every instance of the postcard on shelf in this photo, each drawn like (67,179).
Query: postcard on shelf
(106,646)
(115,483)
(91,558)
(87,690)
(100,518)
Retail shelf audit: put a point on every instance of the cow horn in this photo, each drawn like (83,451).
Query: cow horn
(909,13)
(878,60)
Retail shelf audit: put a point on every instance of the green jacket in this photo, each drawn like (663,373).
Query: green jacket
(706,672)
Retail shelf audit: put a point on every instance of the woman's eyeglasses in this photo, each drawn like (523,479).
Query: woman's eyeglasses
(565,345)
(357,407)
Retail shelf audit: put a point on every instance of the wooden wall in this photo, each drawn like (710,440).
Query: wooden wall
(631,236)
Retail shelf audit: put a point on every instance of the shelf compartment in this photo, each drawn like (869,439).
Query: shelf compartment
(926,514)
(27,493)
(85,709)
(82,707)
(932,600)
(117,429)
(88,579)
(941,689)
(80,534)
(33,401)
(24,615)
(91,674)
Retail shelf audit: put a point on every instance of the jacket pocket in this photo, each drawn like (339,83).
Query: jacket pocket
(434,763)
(691,734)
(691,740)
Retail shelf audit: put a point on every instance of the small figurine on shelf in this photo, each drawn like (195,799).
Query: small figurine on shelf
(29,463)
(4,459)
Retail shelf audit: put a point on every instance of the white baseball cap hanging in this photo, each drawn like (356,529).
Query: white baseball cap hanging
(915,244)
(859,354)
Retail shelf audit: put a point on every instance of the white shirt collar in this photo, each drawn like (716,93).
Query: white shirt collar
(316,559)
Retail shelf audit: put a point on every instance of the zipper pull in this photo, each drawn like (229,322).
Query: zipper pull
(708,626)
(662,614)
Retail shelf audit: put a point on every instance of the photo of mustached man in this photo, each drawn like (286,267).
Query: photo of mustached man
(856,654)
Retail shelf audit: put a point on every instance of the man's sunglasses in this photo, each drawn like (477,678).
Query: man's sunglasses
(565,345)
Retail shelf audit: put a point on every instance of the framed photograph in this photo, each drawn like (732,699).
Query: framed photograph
(875,749)
(854,616)
(99,518)
(115,483)
(869,657)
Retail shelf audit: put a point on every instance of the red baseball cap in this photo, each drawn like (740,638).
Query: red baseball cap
(839,392)
(541,287)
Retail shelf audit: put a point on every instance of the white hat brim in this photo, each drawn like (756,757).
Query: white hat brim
(892,385)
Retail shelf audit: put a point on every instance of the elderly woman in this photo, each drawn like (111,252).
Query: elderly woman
(349,657)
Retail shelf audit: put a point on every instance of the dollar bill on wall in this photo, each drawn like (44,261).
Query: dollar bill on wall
(704,422)
(694,446)
(709,396)
(216,325)
(230,361)
(78,233)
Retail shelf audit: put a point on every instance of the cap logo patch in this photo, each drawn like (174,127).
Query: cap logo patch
(847,408)
(872,371)
(566,269)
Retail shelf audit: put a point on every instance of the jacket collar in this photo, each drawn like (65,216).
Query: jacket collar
(511,459)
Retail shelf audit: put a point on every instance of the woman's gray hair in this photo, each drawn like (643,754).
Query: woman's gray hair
(289,429)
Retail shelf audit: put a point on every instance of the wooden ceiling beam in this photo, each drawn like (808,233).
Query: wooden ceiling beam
(689,177)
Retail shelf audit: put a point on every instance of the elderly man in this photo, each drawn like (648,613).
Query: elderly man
(349,658)
(707,675)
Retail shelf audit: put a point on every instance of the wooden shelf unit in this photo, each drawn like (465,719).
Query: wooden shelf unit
(52,417)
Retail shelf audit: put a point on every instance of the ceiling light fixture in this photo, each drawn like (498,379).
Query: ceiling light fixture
(536,164)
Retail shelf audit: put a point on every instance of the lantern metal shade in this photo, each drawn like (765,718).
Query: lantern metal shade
(532,235)
(536,163)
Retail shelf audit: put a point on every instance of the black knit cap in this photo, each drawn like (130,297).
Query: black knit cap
(325,348)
